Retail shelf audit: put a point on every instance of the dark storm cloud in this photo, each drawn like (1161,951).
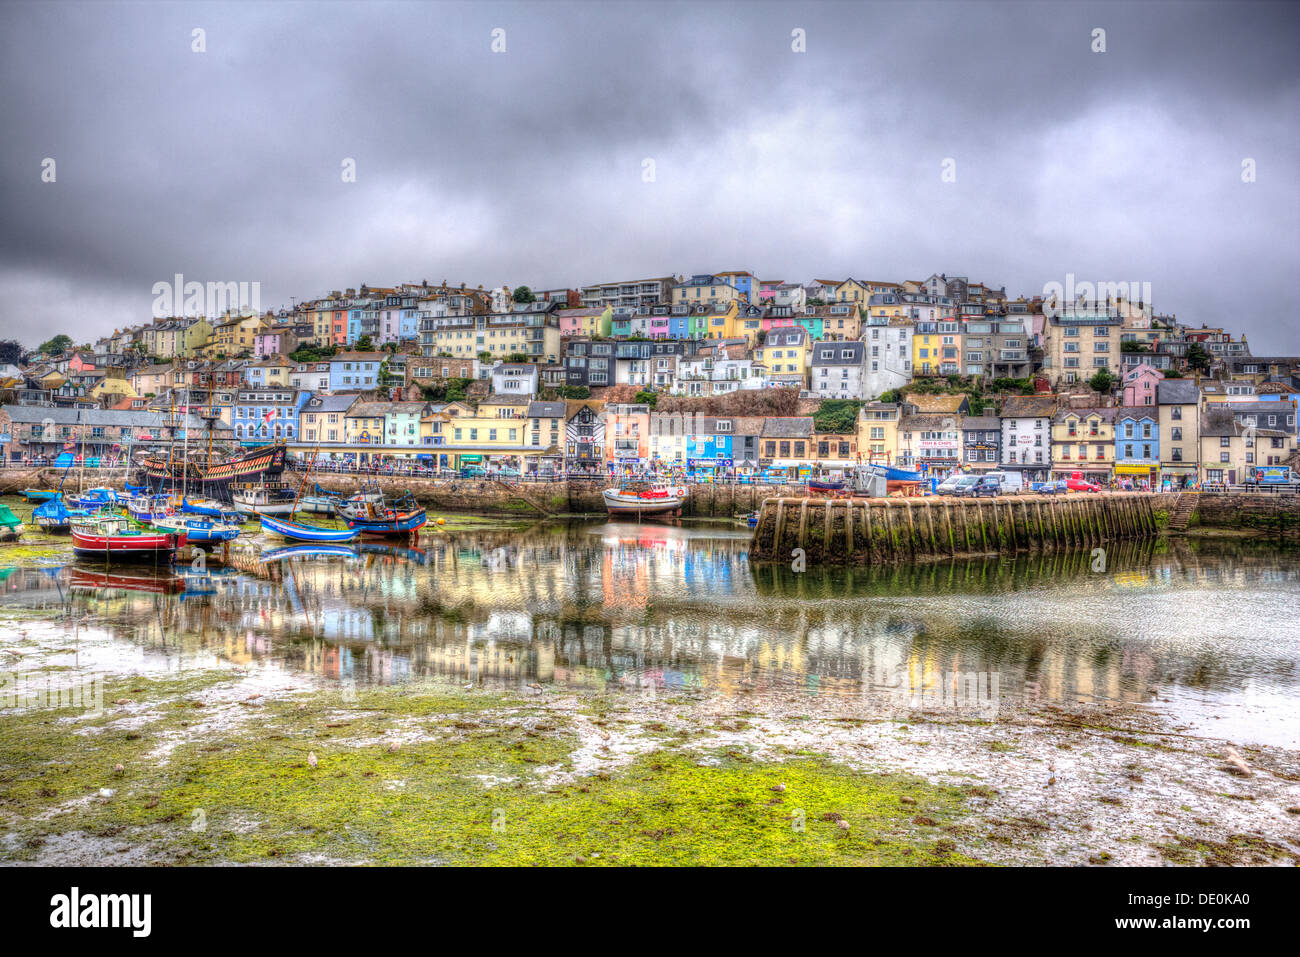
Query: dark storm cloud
(526,166)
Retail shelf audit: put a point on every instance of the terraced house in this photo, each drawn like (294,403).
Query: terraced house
(1083,440)
(1137,445)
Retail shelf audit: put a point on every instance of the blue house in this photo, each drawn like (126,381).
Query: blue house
(267,414)
(355,371)
(1137,444)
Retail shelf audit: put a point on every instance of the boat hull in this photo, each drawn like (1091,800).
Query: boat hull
(389,525)
(124,548)
(298,532)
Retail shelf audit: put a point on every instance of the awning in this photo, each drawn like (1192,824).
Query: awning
(1135,469)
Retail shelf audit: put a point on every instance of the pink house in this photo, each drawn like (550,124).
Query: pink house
(1140,384)
(267,344)
(767,288)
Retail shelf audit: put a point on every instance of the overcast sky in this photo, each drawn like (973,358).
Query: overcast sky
(528,166)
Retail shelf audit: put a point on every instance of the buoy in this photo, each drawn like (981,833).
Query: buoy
(442,521)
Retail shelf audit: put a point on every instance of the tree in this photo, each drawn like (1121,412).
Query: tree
(645,397)
(11,350)
(1132,346)
(364,344)
(574,392)
(1197,358)
(59,343)
(1102,382)
(1173,374)
(524,294)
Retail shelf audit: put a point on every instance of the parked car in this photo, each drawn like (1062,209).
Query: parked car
(947,485)
(473,471)
(1077,483)
(986,486)
(1053,488)
(964,485)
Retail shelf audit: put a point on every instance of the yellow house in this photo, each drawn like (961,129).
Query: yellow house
(878,432)
(234,335)
(194,338)
(785,354)
(113,388)
(1083,440)
(364,424)
(936,348)
(851,290)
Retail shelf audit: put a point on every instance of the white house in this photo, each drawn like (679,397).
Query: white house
(514,378)
(838,369)
(888,356)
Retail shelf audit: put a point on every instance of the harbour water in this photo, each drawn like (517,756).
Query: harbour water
(1205,636)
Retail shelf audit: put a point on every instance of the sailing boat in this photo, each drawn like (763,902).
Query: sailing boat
(301,532)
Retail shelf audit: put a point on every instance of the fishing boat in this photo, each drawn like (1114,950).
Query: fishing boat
(211,509)
(135,489)
(54,516)
(116,539)
(40,494)
(94,498)
(320,502)
(11,526)
(403,518)
(820,485)
(893,474)
(146,508)
(299,532)
(265,499)
(197,531)
(644,501)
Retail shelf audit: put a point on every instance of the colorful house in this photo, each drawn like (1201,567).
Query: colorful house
(1083,440)
(1137,444)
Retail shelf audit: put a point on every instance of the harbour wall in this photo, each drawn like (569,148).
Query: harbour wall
(1273,515)
(883,530)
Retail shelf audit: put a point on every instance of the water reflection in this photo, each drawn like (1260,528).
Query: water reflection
(679,609)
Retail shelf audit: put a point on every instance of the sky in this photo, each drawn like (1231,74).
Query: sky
(596,142)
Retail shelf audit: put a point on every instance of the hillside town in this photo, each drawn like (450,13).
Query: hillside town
(712,376)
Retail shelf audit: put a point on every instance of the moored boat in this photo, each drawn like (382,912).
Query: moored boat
(94,498)
(197,531)
(267,499)
(40,494)
(402,518)
(54,516)
(820,485)
(300,532)
(652,501)
(211,509)
(894,474)
(146,508)
(11,526)
(116,539)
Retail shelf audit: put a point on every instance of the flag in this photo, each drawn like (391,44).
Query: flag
(270,414)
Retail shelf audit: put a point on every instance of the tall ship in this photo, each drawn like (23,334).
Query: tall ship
(204,469)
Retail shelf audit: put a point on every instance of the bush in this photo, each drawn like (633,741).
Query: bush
(837,415)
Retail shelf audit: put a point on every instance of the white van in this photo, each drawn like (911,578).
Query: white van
(1013,483)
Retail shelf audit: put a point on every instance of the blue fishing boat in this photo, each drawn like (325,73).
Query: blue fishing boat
(308,551)
(146,508)
(299,532)
(212,510)
(40,494)
(387,521)
(197,530)
(54,516)
(895,474)
(136,489)
(94,498)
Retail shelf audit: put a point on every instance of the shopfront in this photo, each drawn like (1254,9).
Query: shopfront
(1137,474)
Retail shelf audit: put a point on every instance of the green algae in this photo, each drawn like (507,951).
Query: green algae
(419,775)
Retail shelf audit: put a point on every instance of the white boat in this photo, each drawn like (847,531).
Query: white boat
(646,501)
(264,500)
